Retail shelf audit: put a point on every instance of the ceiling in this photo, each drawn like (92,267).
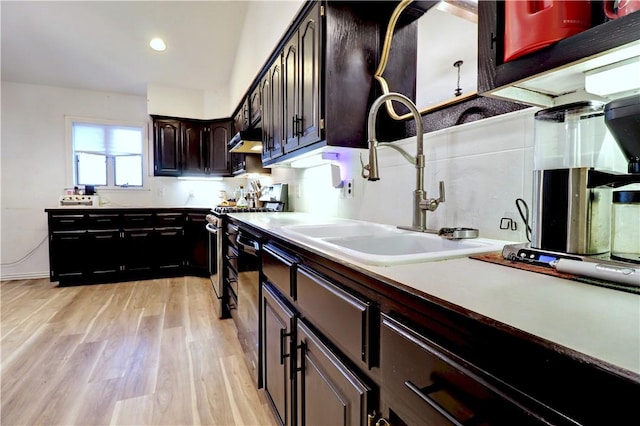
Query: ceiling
(104,45)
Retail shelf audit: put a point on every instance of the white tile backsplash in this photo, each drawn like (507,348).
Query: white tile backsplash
(486,165)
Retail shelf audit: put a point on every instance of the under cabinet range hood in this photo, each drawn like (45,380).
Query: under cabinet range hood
(246,142)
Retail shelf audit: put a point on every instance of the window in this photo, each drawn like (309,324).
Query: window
(107,155)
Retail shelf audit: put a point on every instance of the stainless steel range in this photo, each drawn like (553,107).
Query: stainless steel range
(274,198)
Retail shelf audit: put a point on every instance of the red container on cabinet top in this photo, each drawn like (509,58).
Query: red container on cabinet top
(533,24)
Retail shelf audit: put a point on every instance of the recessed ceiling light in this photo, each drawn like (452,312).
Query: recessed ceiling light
(157,44)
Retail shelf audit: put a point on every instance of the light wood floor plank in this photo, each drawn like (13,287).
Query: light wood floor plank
(136,353)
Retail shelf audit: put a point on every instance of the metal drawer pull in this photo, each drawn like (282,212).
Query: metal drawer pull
(433,403)
(283,335)
(248,245)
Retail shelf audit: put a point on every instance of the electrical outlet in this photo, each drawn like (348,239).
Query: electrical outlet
(509,221)
(348,188)
(299,190)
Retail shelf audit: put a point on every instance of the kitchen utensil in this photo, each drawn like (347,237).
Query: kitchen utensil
(609,272)
(532,24)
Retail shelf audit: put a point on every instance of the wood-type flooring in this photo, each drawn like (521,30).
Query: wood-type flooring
(135,353)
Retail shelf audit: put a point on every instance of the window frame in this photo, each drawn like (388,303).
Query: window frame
(71,160)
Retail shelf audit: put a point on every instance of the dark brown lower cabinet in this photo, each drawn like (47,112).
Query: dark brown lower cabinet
(169,249)
(425,384)
(138,250)
(102,245)
(67,254)
(196,244)
(277,324)
(342,348)
(328,391)
(103,253)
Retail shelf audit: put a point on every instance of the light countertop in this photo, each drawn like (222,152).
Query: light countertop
(599,322)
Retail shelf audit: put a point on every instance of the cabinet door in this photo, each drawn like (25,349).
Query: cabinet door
(277,328)
(196,244)
(193,150)
(67,254)
(104,254)
(290,76)
(241,119)
(275,89)
(218,136)
(309,130)
(166,152)
(328,392)
(138,250)
(168,249)
(267,115)
(255,113)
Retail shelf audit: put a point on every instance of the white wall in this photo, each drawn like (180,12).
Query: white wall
(265,24)
(34,168)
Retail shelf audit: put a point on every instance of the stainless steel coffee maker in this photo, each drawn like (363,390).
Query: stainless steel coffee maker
(576,165)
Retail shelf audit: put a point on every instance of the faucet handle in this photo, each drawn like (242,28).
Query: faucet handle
(365,170)
(432,204)
(441,192)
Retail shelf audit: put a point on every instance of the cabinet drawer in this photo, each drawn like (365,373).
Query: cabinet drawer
(164,220)
(277,267)
(424,384)
(137,220)
(64,222)
(340,316)
(103,221)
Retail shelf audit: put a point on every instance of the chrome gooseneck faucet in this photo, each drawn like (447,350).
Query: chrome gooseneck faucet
(370,171)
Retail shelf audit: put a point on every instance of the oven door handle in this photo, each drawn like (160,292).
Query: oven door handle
(211,228)
(247,245)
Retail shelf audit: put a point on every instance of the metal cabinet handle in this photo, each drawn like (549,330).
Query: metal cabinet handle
(248,246)
(433,403)
(283,336)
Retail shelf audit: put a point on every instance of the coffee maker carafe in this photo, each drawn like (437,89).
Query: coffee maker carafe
(574,173)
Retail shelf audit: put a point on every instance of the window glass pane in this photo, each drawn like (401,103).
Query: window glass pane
(121,144)
(88,138)
(129,170)
(91,169)
(125,140)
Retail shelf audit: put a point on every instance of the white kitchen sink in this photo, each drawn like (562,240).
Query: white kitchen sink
(385,245)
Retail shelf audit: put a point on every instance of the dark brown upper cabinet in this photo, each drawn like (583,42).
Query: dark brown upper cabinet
(241,119)
(254,107)
(301,67)
(316,87)
(193,147)
(166,147)
(217,136)
(271,97)
(185,147)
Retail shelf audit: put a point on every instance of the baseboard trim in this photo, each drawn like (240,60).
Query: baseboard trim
(24,276)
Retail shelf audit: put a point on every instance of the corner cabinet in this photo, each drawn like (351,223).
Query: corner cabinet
(516,80)
(184,147)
